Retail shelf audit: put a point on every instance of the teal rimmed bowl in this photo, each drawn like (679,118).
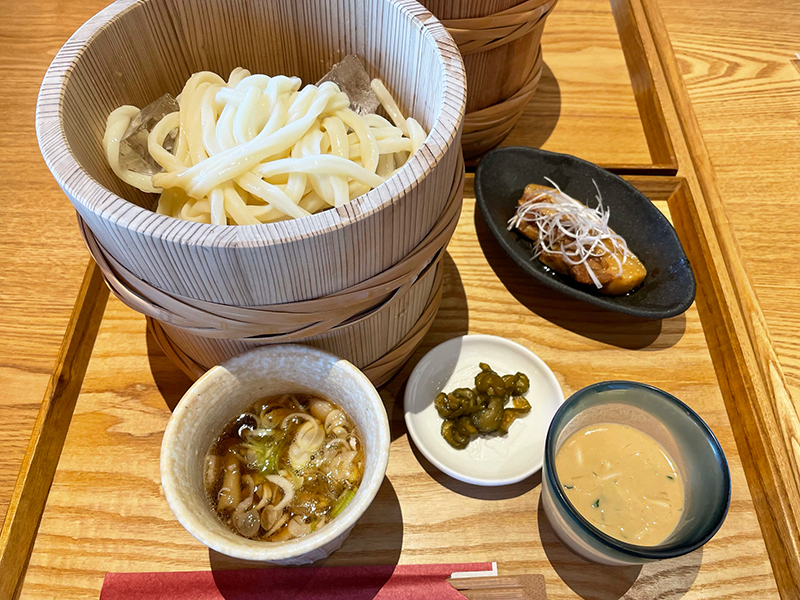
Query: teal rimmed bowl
(690,442)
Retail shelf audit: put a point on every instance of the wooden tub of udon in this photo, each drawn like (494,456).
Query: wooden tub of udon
(134,51)
(500,41)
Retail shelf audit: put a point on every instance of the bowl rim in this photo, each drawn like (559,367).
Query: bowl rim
(659,551)
(411,425)
(88,193)
(245,548)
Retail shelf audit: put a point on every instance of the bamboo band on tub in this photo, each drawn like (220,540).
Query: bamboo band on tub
(282,322)
(486,127)
(379,371)
(480,34)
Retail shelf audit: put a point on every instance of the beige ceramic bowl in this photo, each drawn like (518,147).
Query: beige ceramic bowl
(220,395)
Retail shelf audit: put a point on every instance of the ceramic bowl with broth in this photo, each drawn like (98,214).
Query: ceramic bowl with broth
(679,431)
(221,395)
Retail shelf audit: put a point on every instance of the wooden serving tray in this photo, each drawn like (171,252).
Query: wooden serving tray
(96,442)
(106,510)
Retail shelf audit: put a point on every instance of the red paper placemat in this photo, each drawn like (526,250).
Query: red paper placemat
(389,582)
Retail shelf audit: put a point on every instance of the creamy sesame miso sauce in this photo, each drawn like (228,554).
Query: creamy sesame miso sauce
(622,481)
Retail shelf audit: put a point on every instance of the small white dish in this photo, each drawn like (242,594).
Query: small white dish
(488,460)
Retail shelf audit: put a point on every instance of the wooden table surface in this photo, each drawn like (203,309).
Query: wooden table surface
(744,91)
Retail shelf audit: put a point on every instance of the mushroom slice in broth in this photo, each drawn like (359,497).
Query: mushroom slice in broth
(285,467)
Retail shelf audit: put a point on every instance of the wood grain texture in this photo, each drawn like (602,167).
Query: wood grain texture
(364,342)
(107,512)
(158,45)
(379,371)
(499,71)
(585,91)
(765,418)
(502,587)
(37,228)
(598,125)
(486,128)
(744,92)
(286,322)
(49,431)
(662,153)
(500,41)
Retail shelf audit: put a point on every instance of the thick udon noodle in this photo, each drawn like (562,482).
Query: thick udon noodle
(257,149)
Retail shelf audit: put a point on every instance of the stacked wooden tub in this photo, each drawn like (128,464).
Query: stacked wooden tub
(500,41)
(362,280)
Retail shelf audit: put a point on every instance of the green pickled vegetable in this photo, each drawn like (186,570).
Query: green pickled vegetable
(488,420)
(465,426)
(452,436)
(517,384)
(471,412)
(490,383)
(458,402)
(521,407)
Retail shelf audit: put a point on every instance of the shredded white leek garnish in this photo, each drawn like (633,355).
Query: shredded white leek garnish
(571,229)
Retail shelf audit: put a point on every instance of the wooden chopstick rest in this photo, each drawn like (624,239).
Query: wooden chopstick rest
(505,587)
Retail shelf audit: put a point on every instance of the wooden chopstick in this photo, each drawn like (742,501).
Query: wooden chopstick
(494,594)
(505,587)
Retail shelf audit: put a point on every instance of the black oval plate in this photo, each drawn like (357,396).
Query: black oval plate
(669,288)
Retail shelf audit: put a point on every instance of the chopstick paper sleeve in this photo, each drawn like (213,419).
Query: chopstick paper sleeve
(390,582)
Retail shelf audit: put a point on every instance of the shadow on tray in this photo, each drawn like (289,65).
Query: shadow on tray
(670,578)
(169,379)
(479,492)
(541,114)
(590,321)
(451,321)
(539,118)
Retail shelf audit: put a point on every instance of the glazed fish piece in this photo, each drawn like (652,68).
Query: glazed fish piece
(575,240)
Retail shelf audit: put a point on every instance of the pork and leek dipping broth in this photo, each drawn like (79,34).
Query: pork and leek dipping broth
(285,467)
(622,481)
